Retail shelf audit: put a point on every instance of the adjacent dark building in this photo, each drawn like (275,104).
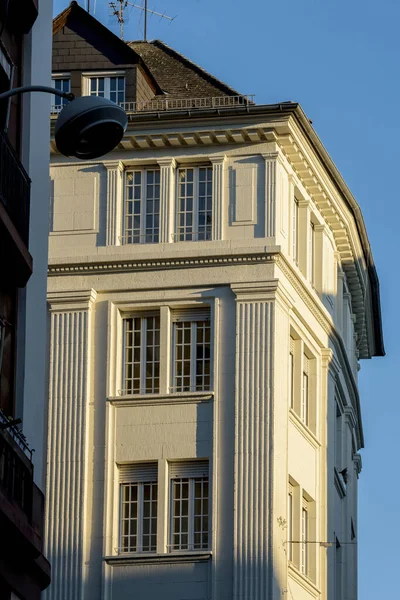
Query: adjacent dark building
(24,571)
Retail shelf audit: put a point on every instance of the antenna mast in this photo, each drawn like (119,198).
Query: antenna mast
(118,11)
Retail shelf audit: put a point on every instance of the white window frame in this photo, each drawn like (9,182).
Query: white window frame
(191,471)
(143,354)
(139,476)
(194,234)
(305,538)
(190,317)
(305,393)
(59,102)
(143,234)
(291,372)
(311,254)
(295,230)
(107,76)
(290,514)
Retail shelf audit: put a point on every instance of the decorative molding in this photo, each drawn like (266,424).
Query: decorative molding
(154,264)
(251,291)
(357,460)
(71,300)
(304,581)
(149,559)
(167,198)
(161,399)
(218,196)
(114,202)
(253,488)
(271,177)
(303,429)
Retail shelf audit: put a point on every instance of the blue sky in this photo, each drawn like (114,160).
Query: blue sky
(341,61)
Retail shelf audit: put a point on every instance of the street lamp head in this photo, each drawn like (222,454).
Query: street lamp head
(89,127)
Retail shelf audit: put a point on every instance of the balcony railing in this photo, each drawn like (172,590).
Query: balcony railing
(16,470)
(15,188)
(176,104)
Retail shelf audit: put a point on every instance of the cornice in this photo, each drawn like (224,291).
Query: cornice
(153,559)
(155,264)
(161,399)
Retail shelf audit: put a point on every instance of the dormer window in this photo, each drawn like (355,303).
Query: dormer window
(105,86)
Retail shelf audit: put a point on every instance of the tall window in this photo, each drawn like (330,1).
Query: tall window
(304,538)
(291,374)
(62,84)
(189,528)
(311,254)
(295,230)
(305,396)
(142,207)
(138,510)
(192,350)
(112,88)
(290,523)
(142,354)
(194,204)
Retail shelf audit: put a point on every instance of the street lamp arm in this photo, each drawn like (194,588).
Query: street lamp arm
(36,88)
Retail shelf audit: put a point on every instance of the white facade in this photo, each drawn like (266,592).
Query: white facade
(283,288)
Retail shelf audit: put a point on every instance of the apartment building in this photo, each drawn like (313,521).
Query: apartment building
(211,292)
(25,48)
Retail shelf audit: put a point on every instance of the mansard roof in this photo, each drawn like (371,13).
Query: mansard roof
(178,76)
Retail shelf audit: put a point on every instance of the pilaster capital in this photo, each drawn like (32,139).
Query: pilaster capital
(167,162)
(357,463)
(255,291)
(218,159)
(114,166)
(71,301)
(350,416)
(330,361)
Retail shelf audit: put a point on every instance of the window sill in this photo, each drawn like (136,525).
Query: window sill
(161,399)
(303,429)
(303,580)
(170,558)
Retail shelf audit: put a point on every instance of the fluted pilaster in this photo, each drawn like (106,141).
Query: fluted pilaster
(114,204)
(253,441)
(218,208)
(69,390)
(167,199)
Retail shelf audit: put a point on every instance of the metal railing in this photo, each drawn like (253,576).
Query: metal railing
(16,473)
(15,186)
(171,104)
(17,435)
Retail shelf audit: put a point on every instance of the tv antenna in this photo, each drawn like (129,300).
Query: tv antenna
(118,7)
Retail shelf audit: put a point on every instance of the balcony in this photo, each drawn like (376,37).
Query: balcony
(21,515)
(14,188)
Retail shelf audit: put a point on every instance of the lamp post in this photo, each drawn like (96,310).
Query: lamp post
(87,127)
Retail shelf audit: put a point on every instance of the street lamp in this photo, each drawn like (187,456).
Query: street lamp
(87,127)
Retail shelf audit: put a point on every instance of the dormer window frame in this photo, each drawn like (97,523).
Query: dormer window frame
(88,76)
